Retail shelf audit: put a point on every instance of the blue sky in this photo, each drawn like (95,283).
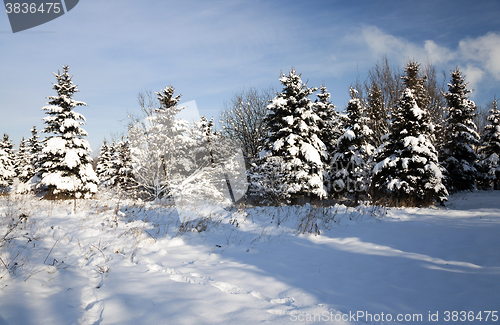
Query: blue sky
(210,49)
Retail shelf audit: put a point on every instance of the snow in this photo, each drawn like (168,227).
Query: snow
(310,153)
(349,134)
(71,159)
(288,119)
(63,183)
(417,111)
(278,101)
(55,145)
(133,264)
(278,144)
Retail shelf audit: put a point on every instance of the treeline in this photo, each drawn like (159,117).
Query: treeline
(402,139)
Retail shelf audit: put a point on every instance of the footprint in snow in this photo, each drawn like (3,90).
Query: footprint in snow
(93,308)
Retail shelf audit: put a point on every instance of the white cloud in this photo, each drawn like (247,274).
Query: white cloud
(484,51)
(438,54)
(473,75)
(381,43)
(480,56)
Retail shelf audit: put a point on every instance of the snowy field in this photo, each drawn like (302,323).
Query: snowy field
(130,263)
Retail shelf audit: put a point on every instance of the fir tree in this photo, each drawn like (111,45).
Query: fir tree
(66,166)
(376,112)
(104,169)
(35,149)
(457,155)
(123,164)
(154,146)
(412,80)
(330,129)
(213,174)
(407,170)
(490,152)
(24,168)
(267,185)
(349,163)
(329,123)
(7,167)
(207,151)
(168,103)
(293,135)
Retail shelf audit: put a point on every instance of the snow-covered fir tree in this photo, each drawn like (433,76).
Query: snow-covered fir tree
(205,161)
(35,149)
(66,166)
(266,180)
(293,135)
(105,167)
(490,150)
(24,168)
(457,154)
(350,172)
(329,122)
(376,112)
(206,151)
(412,80)
(7,167)
(154,146)
(122,163)
(114,166)
(330,129)
(407,171)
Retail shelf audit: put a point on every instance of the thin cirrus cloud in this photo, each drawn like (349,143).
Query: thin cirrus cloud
(478,58)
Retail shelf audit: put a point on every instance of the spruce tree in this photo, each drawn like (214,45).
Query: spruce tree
(153,145)
(66,166)
(104,169)
(330,129)
(293,135)
(350,174)
(412,80)
(457,155)
(329,123)
(266,181)
(376,112)
(7,167)
(490,151)
(407,171)
(24,168)
(35,149)
(123,164)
